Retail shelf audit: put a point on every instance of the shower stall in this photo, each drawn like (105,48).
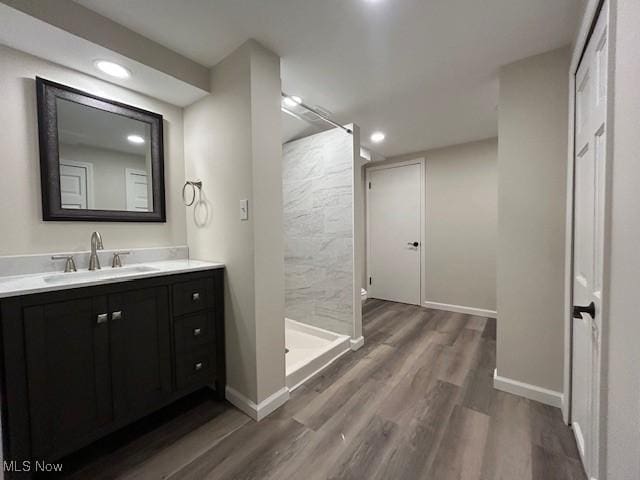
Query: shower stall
(321,178)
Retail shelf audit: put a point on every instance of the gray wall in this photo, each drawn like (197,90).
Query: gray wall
(461,223)
(623,389)
(318,207)
(232,143)
(20,165)
(532,152)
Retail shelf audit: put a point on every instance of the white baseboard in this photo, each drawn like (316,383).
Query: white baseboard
(261,410)
(357,343)
(565,408)
(526,390)
(481,312)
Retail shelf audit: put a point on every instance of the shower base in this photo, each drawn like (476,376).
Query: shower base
(310,350)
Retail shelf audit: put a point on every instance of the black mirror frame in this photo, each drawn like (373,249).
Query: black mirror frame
(47,93)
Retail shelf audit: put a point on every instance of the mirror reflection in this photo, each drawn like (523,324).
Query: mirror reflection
(104,159)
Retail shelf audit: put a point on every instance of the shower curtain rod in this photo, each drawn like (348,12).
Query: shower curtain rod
(317,114)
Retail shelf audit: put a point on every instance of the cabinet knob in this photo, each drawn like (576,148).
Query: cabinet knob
(195,297)
(197,366)
(102,318)
(116,315)
(196,332)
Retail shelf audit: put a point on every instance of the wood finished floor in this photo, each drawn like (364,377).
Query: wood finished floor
(416,402)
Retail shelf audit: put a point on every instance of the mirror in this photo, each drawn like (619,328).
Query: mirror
(100,160)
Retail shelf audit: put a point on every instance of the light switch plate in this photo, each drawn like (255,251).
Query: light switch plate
(244,209)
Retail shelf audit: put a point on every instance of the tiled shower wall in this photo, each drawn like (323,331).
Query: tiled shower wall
(318,230)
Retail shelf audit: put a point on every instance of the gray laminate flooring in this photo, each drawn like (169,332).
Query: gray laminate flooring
(416,402)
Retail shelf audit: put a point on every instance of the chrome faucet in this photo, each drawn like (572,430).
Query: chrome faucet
(96,244)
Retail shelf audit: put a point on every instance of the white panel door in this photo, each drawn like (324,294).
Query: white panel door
(73,186)
(590,139)
(137,190)
(394,200)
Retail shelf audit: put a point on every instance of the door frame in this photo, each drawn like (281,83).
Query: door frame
(588,23)
(423,220)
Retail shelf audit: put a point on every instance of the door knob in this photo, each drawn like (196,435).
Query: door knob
(579,310)
(413,244)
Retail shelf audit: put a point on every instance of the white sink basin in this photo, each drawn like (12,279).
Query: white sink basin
(98,274)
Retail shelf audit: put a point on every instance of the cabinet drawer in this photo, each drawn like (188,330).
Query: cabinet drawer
(192,296)
(193,331)
(197,367)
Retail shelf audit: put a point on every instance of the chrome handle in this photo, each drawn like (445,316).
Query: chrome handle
(102,318)
(197,366)
(70,266)
(196,332)
(117,261)
(116,315)
(195,297)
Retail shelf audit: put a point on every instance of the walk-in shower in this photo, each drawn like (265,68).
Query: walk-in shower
(322,290)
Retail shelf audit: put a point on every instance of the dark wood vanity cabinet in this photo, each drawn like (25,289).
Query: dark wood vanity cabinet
(79,364)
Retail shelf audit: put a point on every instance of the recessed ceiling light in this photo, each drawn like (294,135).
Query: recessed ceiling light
(377,137)
(292,101)
(137,139)
(113,69)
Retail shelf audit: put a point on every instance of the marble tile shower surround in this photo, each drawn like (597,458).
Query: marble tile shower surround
(42,263)
(318,230)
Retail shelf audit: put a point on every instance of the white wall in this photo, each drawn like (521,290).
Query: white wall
(109,167)
(232,143)
(23,230)
(532,150)
(461,223)
(623,359)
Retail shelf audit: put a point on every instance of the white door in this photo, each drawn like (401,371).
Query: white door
(73,186)
(590,148)
(394,232)
(137,190)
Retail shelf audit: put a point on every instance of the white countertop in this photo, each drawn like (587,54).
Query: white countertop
(15,285)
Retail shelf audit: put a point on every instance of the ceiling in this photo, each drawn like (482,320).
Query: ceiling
(422,71)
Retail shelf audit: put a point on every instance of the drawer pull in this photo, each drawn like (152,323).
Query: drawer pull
(102,318)
(195,297)
(196,332)
(198,366)
(116,315)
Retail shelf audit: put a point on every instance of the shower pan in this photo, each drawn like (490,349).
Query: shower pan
(310,350)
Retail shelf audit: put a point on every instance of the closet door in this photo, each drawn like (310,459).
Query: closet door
(589,213)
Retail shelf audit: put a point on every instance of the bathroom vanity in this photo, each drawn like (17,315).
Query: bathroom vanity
(86,353)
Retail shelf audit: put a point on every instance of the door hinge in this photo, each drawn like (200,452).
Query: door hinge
(369,280)
(369,185)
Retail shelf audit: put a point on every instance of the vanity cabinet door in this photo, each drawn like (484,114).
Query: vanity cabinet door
(141,350)
(68,372)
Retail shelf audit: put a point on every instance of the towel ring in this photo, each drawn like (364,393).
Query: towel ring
(197,184)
